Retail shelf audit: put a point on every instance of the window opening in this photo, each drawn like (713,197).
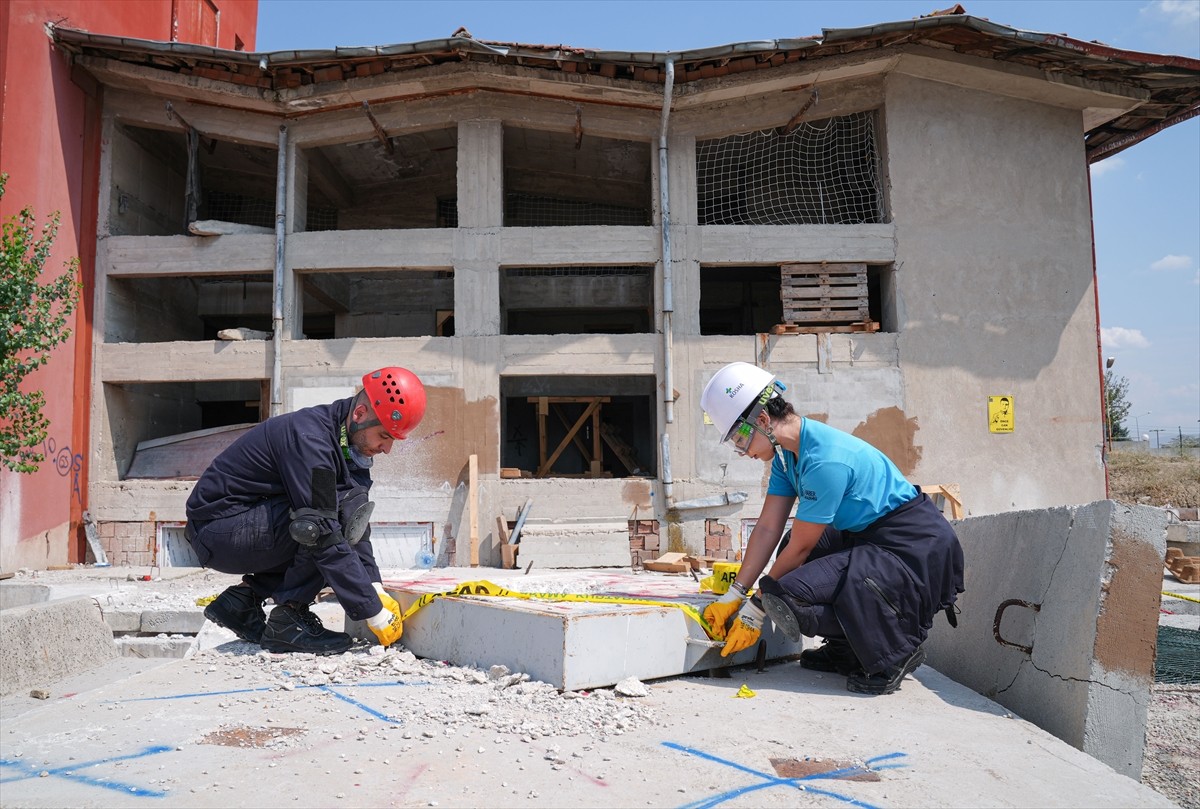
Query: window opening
(563,179)
(584,427)
(376,303)
(175,429)
(409,183)
(823,172)
(796,298)
(616,299)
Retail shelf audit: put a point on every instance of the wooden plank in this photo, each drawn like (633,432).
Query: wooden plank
(825,267)
(791,328)
(545,467)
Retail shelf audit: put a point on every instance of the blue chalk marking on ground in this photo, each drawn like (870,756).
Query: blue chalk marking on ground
(71,773)
(368,709)
(771,781)
(254,690)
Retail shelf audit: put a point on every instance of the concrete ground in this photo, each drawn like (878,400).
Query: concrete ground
(234,726)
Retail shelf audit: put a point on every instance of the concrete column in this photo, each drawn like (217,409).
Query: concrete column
(297,216)
(480,174)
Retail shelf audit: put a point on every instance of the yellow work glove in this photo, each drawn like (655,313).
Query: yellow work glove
(718,613)
(746,629)
(388,623)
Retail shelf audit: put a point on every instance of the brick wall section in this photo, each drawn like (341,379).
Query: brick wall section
(643,541)
(718,541)
(129,544)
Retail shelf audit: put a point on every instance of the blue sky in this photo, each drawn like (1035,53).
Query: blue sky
(1146,199)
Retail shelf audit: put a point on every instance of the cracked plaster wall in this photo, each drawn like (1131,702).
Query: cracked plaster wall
(1089,575)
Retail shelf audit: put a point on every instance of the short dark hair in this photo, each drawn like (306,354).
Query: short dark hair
(779,408)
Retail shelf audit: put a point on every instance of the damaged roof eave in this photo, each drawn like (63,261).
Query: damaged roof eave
(296,82)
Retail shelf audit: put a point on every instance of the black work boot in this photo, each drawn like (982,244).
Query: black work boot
(835,655)
(293,627)
(888,680)
(783,607)
(240,610)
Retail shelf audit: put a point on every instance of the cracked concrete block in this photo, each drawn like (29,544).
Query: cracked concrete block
(44,643)
(123,621)
(574,545)
(154,647)
(1059,621)
(172,622)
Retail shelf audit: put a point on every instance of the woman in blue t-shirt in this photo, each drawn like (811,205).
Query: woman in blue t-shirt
(869,561)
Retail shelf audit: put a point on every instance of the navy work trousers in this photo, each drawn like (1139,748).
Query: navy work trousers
(819,578)
(257,543)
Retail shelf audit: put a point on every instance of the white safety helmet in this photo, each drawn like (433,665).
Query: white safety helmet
(732,391)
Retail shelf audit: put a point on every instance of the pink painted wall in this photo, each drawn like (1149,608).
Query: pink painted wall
(49,146)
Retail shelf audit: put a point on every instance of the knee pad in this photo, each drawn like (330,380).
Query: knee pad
(355,514)
(807,615)
(311,527)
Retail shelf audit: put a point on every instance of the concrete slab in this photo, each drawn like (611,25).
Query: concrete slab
(564,544)
(570,644)
(1058,621)
(370,729)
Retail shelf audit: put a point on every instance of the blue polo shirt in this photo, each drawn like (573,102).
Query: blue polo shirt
(839,479)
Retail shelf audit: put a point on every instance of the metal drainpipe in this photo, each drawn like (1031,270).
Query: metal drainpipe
(668,305)
(277,294)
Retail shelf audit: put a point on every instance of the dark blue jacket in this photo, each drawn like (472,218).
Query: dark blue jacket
(275,459)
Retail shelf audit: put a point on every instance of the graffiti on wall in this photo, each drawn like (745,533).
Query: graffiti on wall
(65,463)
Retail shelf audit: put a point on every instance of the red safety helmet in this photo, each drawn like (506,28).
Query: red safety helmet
(397,397)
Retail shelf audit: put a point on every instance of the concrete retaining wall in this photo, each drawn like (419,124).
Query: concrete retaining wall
(1059,621)
(45,642)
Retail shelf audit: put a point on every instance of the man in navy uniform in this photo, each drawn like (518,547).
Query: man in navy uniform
(287,506)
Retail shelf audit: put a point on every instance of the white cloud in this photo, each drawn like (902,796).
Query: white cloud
(1172,262)
(1177,12)
(1107,166)
(1121,337)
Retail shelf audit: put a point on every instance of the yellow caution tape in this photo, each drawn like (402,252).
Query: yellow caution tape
(487,588)
(204,601)
(1180,595)
(744,692)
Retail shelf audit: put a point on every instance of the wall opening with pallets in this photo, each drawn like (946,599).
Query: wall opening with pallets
(825,297)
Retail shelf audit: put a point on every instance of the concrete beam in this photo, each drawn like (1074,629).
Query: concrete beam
(571,645)
(775,244)
(552,246)
(370,249)
(182,361)
(189,256)
(1058,621)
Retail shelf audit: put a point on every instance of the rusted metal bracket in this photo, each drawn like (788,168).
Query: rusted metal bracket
(1000,615)
(380,132)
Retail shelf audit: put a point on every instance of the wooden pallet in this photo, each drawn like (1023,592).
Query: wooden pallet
(864,327)
(824,294)
(1184,568)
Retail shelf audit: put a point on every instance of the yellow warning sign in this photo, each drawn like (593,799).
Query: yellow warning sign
(1000,414)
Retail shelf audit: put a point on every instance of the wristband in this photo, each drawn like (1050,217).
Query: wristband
(741,588)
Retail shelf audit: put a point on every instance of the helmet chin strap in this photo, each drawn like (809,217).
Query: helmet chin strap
(778,449)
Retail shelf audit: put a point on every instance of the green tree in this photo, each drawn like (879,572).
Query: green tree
(33,319)
(1117,406)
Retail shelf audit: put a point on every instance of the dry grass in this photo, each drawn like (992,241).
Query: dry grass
(1154,480)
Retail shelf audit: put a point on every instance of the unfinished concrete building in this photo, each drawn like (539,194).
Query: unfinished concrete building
(565,245)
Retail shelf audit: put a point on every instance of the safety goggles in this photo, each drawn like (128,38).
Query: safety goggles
(742,433)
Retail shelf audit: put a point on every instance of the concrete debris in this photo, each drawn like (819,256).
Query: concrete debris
(632,687)
(506,703)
